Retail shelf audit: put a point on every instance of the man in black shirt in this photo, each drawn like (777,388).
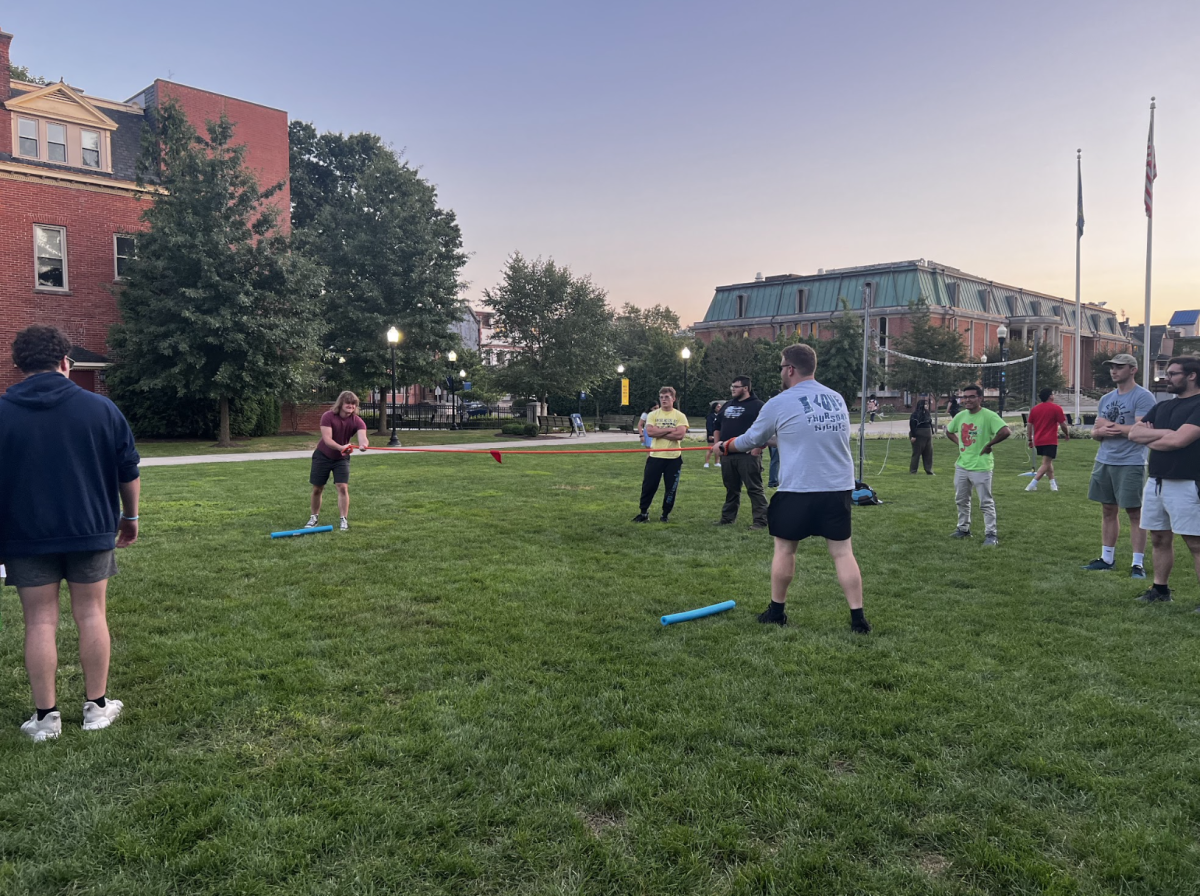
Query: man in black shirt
(741,469)
(1171,501)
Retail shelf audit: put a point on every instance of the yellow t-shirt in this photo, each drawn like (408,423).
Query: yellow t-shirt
(666,448)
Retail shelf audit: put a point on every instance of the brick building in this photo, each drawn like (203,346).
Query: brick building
(70,206)
(971,306)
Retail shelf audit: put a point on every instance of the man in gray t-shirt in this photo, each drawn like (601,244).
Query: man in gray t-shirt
(1120,469)
(812,427)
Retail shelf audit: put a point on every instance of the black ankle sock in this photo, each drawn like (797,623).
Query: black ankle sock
(99,701)
(42,713)
(856,615)
(1161,589)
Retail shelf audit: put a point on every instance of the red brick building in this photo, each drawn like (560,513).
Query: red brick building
(70,206)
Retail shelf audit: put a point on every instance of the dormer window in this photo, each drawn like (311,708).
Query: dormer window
(27,129)
(56,142)
(741,306)
(90,141)
(802,301)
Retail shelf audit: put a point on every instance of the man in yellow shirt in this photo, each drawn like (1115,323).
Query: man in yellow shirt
(667,428)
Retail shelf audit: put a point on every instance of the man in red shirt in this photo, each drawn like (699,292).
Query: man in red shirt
(1045,421)
(338,426)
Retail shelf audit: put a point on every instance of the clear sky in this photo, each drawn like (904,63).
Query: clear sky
(666,148)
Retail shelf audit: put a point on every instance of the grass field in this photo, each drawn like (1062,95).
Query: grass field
(470,693)
(308,441)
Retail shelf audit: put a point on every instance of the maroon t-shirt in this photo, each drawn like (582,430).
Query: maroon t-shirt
(343,428)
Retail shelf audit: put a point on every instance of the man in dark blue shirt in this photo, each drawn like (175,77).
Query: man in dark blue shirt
(737,470)
(68,495)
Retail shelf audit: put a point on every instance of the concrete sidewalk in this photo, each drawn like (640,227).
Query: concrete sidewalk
(559,440)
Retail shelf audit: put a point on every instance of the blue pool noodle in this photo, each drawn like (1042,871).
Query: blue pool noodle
(291,532)
(698,613)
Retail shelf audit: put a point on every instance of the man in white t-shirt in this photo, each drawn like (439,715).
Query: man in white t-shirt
(812,427)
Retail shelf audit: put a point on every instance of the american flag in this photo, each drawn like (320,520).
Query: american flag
(1151,168)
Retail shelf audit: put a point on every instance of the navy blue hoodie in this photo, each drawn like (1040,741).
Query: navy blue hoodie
(63,453)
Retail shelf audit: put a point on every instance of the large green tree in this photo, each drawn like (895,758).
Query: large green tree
(924,339)
(392,258)
(1018,379)
(649,342)
(215,305)
(840,356)
(560,323)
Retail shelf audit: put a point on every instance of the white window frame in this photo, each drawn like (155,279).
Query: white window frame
(37,130)
(66,159)
(99,166)
(117,254)
(62,231)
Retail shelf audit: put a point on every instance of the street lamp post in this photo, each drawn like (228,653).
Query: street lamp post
(685,354)
(393,338)
(1002,337)
(452,356)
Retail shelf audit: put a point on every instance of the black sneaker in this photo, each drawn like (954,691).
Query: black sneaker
(772,618)
(961,533)
(758,525)
(860,626)
(1137,572)
(663,519)
(1099,564)
(641,518)
(1151,596)
(723,523)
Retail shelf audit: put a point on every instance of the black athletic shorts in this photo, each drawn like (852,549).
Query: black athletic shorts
(322,466)
(797,515)
(1050,451)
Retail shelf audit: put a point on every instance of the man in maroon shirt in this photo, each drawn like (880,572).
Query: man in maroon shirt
(1045,421)
(338,426)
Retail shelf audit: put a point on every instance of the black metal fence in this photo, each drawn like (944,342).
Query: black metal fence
(464,415)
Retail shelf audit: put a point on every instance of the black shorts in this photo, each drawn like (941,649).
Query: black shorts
(795,516)
(322,466)
(1050,451)
(711,438)
(80,567)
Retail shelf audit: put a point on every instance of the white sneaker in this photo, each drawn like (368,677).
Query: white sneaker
(345,526)
(47,729)
(706,466)
(97,717)
(312,521)
(1032,487)
(1053,486)
(718,463)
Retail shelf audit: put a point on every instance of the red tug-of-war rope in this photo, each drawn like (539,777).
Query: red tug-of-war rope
(496,453)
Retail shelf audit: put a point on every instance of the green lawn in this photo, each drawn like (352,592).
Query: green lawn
(470,693)
(308,441)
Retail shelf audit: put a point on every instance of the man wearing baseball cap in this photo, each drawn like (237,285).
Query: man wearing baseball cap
(1120,471)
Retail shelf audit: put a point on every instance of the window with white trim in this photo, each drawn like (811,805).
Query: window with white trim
(123,249)
(56,142)
(50,256)
(90,142)
(27,137)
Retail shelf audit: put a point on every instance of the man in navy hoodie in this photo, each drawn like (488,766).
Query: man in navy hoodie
(68,468)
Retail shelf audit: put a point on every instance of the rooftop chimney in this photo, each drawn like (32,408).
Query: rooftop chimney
(5,94)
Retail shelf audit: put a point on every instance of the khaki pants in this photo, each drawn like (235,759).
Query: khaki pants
(981,481)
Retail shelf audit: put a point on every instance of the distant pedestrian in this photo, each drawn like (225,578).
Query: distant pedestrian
(812,425)
(953,407)
(920,434)
(666,428)
(68,496)
(873,408)
(1119,475)
(737,416)
(641,426)
(1046,420)
(975,430)
(710,427)
(1171,503)
(339,425)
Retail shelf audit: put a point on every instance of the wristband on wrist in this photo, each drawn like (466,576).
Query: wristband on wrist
(130,518)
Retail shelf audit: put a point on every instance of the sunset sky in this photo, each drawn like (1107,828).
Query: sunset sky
(666,148)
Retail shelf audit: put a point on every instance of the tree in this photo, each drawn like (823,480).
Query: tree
(724,359)
(21,73)
(560,323)
(839,358)
(927,340)
(1019,377)
(215,305)
(392,257)
(1101,372)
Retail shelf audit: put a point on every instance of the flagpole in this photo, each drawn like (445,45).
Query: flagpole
(1151,174)
(1078,305)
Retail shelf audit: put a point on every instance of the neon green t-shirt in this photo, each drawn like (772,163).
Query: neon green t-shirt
(663,447)
(974,431)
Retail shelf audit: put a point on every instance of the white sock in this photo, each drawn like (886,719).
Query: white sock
(1054,482)
(1107,554)
(1139,559)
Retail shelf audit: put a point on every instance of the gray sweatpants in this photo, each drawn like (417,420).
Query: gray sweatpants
(981,481)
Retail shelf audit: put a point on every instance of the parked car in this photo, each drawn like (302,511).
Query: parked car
(475,409)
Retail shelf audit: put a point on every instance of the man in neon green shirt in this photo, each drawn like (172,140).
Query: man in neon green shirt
(667,428)
(975,430)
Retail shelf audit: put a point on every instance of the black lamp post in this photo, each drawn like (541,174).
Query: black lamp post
(393,338)
(1002,337)
(685,354)
(452,356)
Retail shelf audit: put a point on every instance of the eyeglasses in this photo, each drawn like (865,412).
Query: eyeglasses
(70,363)
(786,366)
(1176,373)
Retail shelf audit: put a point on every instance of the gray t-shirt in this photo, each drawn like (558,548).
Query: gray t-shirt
(812,425)
(1124,409)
